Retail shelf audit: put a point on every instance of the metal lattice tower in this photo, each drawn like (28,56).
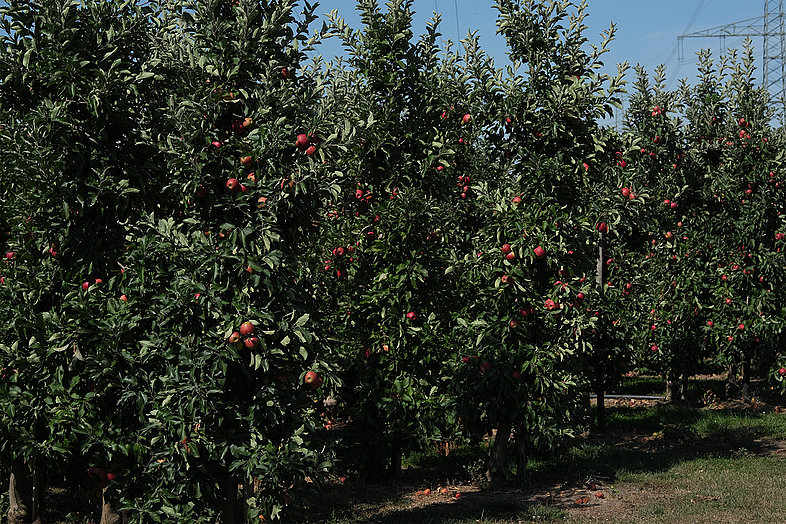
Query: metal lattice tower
(772,28)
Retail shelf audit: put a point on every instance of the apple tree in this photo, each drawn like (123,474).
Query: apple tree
(746,226)
(533,258)
(389,233)
(155,202)
(673,265)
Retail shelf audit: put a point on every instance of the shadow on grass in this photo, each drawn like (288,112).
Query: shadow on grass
(658,438)
(654,385)
(472,507)
(643,385)
(639,441)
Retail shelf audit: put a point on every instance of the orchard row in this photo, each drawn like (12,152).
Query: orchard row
(230,276)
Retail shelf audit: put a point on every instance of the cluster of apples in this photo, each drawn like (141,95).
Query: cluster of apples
(304,143)
(340,254)
(91,282)
(245,336)
(104,477)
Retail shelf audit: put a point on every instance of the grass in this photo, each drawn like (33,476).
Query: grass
(658,464)
(655,465)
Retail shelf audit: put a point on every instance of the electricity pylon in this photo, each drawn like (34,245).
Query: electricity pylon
(772,28)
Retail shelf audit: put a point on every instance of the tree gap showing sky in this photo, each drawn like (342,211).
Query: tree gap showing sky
(646,30)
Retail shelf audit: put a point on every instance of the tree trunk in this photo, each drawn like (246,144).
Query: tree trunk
(586,402)
(600,410)
(684,387)
(229,514)
(17,510)
(38,492)
(746,380)
(672,388)
(521,455)
(395,460)
(108,514)
(731,381)
(496,463)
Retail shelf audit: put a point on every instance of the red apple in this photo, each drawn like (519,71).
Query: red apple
(506,248)
(246,161)
(97,471)
(602,227)
(782,371)
(312,380)
(302,142)
(668,235)
(111,476)
(124,298)
(234,337)
(778,236)
(517,200)
(506,279)
(247,329)
(412,315)
(511,256)
(10,255)
(85,285)
(741,327)
(466,118)
(513,324)
(626,192)
(285,72)
(251,342)
(654,348)
(539,252)
(710,323)
(232,185)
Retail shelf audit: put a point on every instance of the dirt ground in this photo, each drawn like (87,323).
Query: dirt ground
(591,500)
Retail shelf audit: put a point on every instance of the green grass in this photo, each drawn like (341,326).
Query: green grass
(488,512)
(663,464)
(708,490)
(641,385)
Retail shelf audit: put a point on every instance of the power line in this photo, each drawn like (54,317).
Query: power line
(458,31)
(772,28)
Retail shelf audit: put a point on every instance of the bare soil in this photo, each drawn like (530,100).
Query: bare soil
(587,501)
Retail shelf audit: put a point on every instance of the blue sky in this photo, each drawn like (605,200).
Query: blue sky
(646,34)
